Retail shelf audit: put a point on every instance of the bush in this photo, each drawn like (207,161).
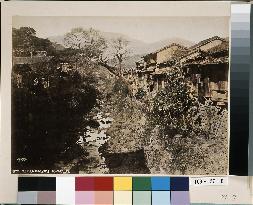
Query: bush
(121,87)
(44,112)
(171,105)
(194,134)
(140,94)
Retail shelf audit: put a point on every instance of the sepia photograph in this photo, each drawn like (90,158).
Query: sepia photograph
(120,95)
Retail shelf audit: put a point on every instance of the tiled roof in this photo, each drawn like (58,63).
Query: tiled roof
(224,46)
(168,46)
(206,41)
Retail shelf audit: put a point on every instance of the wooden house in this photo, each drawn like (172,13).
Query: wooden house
(144,68)
(23,65)
(206,69)
(166,59)
(205,66)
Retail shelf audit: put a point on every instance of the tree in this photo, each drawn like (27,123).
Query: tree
(23,41)
(120,51)
(41,44)
(76,38)
(89,43)
(26,43)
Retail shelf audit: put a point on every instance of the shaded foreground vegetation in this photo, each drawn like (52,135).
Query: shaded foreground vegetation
(179,135)
(171,133)
(43,117)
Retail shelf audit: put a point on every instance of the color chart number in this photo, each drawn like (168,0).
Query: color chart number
(208,181)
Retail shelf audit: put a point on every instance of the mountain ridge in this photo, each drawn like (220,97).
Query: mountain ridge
(137,47)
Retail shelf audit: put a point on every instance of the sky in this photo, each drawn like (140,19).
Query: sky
(146,29)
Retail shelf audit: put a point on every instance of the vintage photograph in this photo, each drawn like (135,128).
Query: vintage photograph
(120,95)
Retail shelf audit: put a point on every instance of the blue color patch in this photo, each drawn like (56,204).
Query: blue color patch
(160,183)
(160,197)
(179,183)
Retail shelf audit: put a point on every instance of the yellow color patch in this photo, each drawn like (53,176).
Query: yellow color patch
(122,183)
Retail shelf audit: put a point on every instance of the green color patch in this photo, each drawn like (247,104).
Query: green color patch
(141,183)
(142,198)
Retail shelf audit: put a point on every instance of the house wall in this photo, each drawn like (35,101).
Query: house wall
(210,81)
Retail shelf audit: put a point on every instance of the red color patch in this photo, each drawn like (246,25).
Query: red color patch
(85,183)
(103,183)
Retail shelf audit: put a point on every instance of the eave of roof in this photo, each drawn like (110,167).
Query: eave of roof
(206,41)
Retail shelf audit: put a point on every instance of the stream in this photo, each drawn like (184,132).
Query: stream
(92,140)
(92,137)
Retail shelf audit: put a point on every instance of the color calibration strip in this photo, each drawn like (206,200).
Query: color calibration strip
(104,190)
(250,166)
(239,89)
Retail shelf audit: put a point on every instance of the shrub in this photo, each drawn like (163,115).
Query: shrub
(171,105)
(140,94)
(194,134)
(121,87)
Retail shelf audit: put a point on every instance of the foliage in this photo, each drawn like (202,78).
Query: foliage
(120,50)
(194,134)
(140,94)
(25,42)
(121,87)
(89,43)
(171,105)
(205,148)
(45,108)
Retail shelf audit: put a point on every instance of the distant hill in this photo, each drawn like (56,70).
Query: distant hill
(58,46)
(137,47)
(159,44)
(128,63)
(57,39)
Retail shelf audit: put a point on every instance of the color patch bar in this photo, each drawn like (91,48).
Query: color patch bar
(179,183)
(161,198)
(65,193)
(123,183)
(104,190)
(160,183)
(103,183)
(84,183)
(180,198)
(239,89)
(46,197)
(36,184)
(141,183)
(28,197)
(123,197)
(179,191)
(141,197)
(85,197)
